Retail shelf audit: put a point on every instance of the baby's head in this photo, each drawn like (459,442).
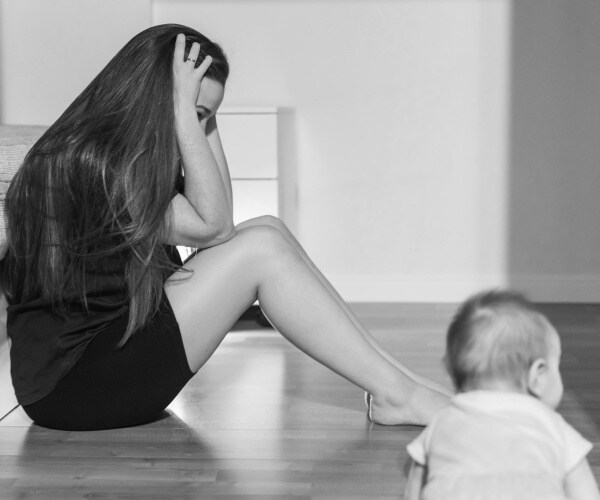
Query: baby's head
(499,341)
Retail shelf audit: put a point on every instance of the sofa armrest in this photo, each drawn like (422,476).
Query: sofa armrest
(7,394)
(15,142)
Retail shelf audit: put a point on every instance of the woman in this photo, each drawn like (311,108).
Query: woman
(106,326)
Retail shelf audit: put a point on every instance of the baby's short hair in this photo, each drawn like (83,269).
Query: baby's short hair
(495,336)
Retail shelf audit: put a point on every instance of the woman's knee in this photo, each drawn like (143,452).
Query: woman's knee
(264,240)
(273,221)
(265,220)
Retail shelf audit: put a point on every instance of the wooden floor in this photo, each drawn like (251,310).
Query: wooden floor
(261,420)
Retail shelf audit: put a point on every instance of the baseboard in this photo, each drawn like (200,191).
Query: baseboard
(371,288)
(559,288)
(542,288)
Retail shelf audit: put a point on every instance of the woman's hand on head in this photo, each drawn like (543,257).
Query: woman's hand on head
(186,76)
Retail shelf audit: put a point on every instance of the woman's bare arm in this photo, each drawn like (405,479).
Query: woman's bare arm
(214,139)
(182,223)
(204,216)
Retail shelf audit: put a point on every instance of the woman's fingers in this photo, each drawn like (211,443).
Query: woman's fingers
(186,77)
(179,48)
(192,55)
(204,65)
(194,51)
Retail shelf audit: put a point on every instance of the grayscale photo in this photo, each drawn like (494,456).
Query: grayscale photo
(300,249)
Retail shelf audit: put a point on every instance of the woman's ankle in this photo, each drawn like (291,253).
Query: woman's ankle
(397,393)
(411,407)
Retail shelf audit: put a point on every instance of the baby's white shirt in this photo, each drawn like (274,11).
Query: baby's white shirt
(497,445)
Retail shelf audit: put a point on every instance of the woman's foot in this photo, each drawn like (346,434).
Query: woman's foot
(418,409)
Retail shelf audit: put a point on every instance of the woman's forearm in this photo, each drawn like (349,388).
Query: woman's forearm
(214,139)
(204,186)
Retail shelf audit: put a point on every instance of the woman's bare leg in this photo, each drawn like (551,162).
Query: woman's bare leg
(259,263)
(280,226)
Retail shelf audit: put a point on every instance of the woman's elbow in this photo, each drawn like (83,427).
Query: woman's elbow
(217,234)
(226,233)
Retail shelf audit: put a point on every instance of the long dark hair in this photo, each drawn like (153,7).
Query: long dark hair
(96,186)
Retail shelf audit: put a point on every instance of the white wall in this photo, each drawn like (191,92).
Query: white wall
(434,150)
(401,123)
(51,50)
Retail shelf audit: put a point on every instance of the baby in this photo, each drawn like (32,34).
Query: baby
(500,438)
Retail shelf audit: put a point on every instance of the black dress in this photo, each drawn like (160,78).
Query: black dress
(68,372)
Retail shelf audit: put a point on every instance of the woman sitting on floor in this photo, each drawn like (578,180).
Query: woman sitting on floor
(106,325)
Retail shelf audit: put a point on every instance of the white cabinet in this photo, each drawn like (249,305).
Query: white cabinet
(249,137)
(254,197)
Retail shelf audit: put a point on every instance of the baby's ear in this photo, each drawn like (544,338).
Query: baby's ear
(536,377)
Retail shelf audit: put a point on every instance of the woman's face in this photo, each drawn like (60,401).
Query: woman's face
(209,98)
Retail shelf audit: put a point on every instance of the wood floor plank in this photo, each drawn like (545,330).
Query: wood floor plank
(261,420)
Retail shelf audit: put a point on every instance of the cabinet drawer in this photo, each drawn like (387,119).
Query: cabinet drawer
(252,198)
(250,144)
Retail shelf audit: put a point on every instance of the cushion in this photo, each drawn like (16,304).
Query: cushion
(15,142)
